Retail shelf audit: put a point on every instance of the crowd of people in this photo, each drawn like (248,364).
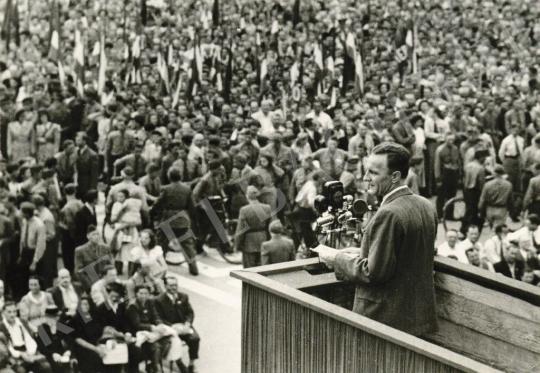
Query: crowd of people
(178,109)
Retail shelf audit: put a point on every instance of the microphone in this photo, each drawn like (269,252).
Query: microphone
(323,220)
(344,217)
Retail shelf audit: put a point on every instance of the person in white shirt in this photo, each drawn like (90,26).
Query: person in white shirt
(529,230)
(473,233)
(449,247)
(324,120)
(510,154)
(264,117)
(492,251)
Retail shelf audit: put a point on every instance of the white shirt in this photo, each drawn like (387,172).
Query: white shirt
(70,297)
(492,250)
(19,336)
(524,233)
(267,128)
(446,251)
(508,146)
(324,119)
(465,245)
(306,196)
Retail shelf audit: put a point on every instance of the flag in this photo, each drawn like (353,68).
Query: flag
(215,13)
(102,66)
(163,72)
(296,12)
(404,42)
(54,47)
(264,70)
(195,68)
(318,57)
(228,76)
(144,12)
(275,27)
(78,58)
(295,73)
(359,70)
(61,74)
(11,19)
(349,55)
(176,96)
(219,83)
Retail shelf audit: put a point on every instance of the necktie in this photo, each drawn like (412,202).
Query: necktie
(518,153)
(332,164)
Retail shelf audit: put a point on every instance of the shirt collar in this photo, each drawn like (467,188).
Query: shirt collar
(387,195)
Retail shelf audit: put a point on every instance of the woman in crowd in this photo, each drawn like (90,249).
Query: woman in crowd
(47,137)
(34,304)
(150,254)
(269,176)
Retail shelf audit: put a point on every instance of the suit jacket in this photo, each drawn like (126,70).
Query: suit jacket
(174,313)
(174,199)
(141,317)
(404,134)
(82,220)
(87,170)
(277,250)
(105,316)
(503,268)
(394,271)
(90,262)
(252,227)
(58,298)
(66,167)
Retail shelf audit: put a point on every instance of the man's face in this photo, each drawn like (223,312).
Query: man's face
(472,234)
(525,244)
(172,285)
(510,254)
(64,279)
(378,177)
(142,295)
(79,140)
(473,257)
(10,313)
(451,237)
(531,225)
(114,297)
(332,145)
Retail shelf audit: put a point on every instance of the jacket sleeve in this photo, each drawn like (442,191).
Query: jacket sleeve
(385,233)
(241,227)
(265,254)
(190,315)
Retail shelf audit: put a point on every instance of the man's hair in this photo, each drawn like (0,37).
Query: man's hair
(70,189)
(499,228)
(106,269)
(397,157)
(174,174)
(9,303)
(534,219)
(139,287)
(167,279)
(91,196)
(472,226)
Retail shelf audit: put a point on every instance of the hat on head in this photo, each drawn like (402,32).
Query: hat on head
(499,170)
(276,227)
(20,112)
(128,172)
(214,165)
(28,207)
(252,192)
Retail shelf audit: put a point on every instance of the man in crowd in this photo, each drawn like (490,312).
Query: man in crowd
(279,248)
(495,198)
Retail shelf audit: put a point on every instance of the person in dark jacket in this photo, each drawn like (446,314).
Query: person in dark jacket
(87,166)
(172,213)
(510,266)
(279,248)
(141,315)
(252,228)
(85,217)
(174,309)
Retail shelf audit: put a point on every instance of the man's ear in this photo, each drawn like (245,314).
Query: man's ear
(396,177)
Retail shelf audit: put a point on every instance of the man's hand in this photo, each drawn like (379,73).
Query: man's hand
(327,255)
(33,267)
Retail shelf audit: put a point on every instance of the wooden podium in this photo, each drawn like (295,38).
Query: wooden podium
(294,321)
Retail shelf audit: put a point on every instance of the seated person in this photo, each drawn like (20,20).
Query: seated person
(66,295)
(174,309)
(149,252)
(144,322)
(111,315)
(85,338)
(6,364)
(91,258)
(22,346)
(510,266)
(33,305)
(98,291)
(142,277)
(52,344)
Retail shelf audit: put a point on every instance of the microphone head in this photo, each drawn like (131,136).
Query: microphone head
(359,208)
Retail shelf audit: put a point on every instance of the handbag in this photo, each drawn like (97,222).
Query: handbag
(117,353)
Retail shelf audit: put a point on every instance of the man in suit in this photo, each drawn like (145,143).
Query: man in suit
(66,163)
(396,250)
(66,295)
(141,315)
(32,246)
(87,166)
(174,309)
(510,266)
(85,217)
(22,345)
(66,225)
(91,258)
(403,131)
(252,228)
(279,248)
(495,198)
(172,213)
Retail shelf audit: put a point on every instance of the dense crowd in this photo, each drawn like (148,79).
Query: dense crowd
(190,114)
